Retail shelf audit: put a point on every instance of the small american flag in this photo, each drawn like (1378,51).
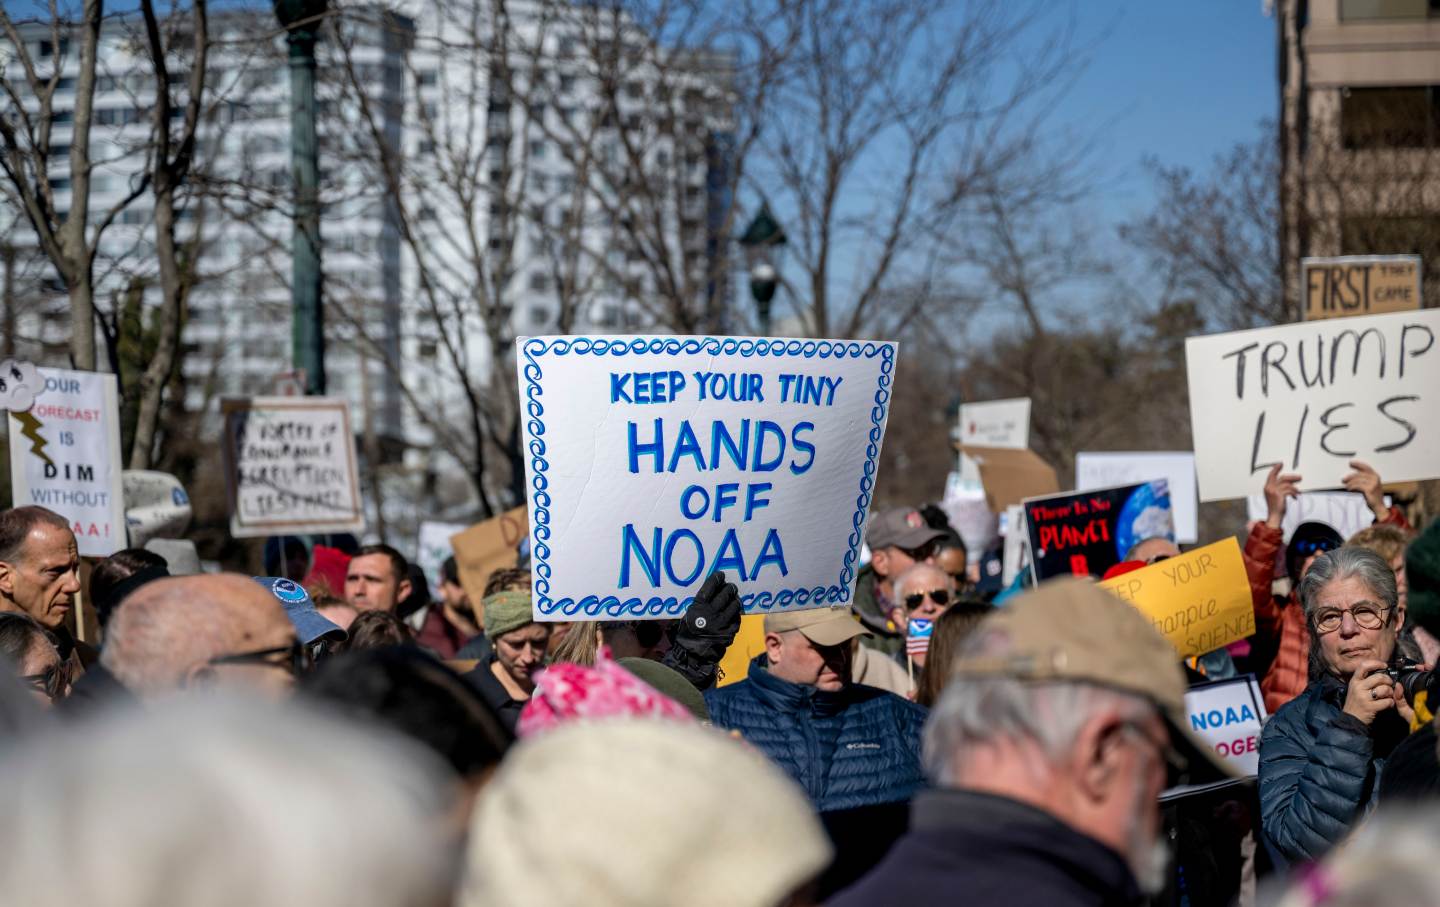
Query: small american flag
(917,637)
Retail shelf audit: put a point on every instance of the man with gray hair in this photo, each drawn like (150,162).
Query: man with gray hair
(1047,752)
(40,574)
(221,802)
(193,631)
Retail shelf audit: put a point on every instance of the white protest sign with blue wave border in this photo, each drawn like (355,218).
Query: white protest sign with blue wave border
(651,462)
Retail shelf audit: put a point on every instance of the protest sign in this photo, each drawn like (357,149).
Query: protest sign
(156,506)
(749,642)
(1312,397)
(1199,600)
(996,423)
(1087,533)
(969,514)
(65,455)
(432,548)
(1013,554)
(1095,469)
(486,547)
(1009,476)
(290,466)
(655,461)
(1344,511)
(1228,715)
(1360,285)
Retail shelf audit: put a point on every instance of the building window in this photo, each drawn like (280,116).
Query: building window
(567,83)
(428,78)
(537,150)
(1398,117)
(539,282)
(539,315)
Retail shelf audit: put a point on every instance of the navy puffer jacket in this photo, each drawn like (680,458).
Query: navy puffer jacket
(857,747)
(1319,768)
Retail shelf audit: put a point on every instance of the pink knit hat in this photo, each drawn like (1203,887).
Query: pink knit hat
(566,692)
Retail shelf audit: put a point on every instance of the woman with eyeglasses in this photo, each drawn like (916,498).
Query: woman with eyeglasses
(1322,754)
(30,650)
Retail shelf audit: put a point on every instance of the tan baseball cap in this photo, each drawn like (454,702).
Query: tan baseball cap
(1071,629)
(822,626)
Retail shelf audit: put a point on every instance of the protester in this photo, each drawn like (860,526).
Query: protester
(898,539)
(1320,754)
(1063,722)
(846,745)
(872,668)
(1389,862)
(200,631)
(311,627)
(506,678)
(951,630)
(1280,629)
(1413,769)
(376,579)
(29,651)
(1153,550)
(334,610)
(40,575)
(449,622)
(374,629)
(1387,540)
(405,689)
(952,558)
(567,692)
(640,813)
(505,579)
(120,574)
(670,683)
(924,592)
(221,803)
(328,569)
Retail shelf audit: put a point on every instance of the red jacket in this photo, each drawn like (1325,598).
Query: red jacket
(1280,620)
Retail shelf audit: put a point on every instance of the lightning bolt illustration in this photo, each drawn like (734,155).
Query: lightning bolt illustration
(32,431)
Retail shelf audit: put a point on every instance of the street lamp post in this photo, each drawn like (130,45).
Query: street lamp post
(764,244)
(301,18)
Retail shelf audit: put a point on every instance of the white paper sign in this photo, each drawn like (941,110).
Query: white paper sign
(290,467)
(65,455)
(1313,396)
(434,548)
(156,505)
(1227,714)
(653,461)
(1344,511)
(1107,469)
(1017,542)
(996,423)
(969,515)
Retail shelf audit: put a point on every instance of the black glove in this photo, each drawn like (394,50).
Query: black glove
(706,631)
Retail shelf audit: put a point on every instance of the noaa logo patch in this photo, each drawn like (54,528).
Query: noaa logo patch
(288,591)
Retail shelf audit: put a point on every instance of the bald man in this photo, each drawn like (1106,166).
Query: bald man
(197,631)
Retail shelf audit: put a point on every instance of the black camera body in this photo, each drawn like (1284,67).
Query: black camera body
(1413,679)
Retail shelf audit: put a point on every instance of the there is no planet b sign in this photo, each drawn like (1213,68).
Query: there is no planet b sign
(652,462)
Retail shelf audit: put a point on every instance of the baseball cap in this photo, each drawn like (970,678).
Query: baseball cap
(902,527)
(822,626)
(1072,630)
(310,625)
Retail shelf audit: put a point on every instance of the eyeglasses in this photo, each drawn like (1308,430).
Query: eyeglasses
(1157,559)
(938,596)
(924,552)
(1307,547)
(298,658)
(52,681)
(1367,615)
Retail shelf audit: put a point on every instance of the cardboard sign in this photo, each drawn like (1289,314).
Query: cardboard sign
(432,548)
(1095,469)
(1199,601)
(1344,511)
(486,547)
(1010,476)
(749,642)
(996,423)
(1313,397)
(290,467)
(65,455)
(1360,285)
(1228,715)
(156,505)
(1086,533)
(655,461)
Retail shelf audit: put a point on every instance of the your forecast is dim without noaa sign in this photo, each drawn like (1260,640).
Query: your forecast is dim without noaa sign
(653,461)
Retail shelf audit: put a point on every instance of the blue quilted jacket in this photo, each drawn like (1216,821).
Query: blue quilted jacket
(1319,768)
(858,747)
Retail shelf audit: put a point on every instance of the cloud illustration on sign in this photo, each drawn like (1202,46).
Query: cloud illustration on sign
(20,384)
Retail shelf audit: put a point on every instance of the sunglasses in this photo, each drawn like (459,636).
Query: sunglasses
(1308,547)
(924,552)
(938,596)
(51,681)
(298,658)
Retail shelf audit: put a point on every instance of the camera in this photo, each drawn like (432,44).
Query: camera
(1413,679)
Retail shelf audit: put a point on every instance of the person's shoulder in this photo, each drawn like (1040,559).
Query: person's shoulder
(878,700)
(730,693)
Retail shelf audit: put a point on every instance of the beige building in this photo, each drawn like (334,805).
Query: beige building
(1359,132)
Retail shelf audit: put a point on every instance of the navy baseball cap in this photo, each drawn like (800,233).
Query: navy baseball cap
(310,625)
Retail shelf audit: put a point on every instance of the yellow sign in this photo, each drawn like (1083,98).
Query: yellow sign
(749,642)
(1360,285)
(1200,601)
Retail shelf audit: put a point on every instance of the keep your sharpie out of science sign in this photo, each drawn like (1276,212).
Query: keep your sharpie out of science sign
(652,462)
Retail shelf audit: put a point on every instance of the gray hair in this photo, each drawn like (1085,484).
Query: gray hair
(219,802)
(1344,563)
(1388,862)
(975,711)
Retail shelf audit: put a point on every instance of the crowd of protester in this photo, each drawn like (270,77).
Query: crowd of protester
(333,734)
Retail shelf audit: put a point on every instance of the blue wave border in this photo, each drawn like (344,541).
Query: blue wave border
(532,349)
